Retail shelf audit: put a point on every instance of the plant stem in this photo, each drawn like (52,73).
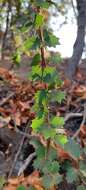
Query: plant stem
(43,66)
(43,62)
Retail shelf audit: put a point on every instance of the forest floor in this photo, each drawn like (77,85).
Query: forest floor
(16,100)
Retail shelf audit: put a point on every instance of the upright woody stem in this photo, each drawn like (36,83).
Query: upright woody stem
(43,62)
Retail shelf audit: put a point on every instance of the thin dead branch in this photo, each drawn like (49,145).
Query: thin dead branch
(72,115)
(5,100)
(18,152)
(26,163)
(82,123)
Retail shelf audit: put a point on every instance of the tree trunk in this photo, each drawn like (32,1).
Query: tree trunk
(80,39)
(6,30)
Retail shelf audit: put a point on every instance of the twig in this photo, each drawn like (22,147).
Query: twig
(26,163)
(29,136)
(17,154)
(6,99)
(82,123)
(70,115)
(74,9)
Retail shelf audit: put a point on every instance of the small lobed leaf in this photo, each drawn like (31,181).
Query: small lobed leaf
(49,133)
(82,167)
(52,154)
(57,121)
(21,187)
(56,59)
(50,167)
(38,164)
(37,123)
(17,57)
(2,181)
(73,148)
(36,44)
(47,78)
(71,175)
(36,70)
(61,139)
(60,96)
(47,181)
(39,20)
(42,4)
(54,167)
(50,39)
(36,59)
(57,179)
(40,151)
(29,42)
(42,96)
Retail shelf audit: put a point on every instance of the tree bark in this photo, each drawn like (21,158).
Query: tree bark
(7,27)
(80,39)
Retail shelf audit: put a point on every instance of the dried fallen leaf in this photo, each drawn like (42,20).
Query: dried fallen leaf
(66,83)
(80,90)
(4,121)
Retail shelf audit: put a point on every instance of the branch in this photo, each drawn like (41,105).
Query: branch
(17,154)
(82,123)
(71,115)
(74,10)
(26,163)
(5,100)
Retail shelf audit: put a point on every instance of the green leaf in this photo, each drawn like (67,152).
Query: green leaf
(21,187)
(37,123)
(38,163)
(42,96)
(49,133)
(73,148)
(71,175)
(60,96)
(42,4)
(57,121)
(82,165)
(36,77)
(2,181)
(50,39)
(36,44)
(47,182)
(50,167)
(36,143)
(61,139)
(17,57)
(41,112)
(57,179)
(81,187)
(40,151)
(39,20)
(36,59)
(29,42)
(53,40)
(50,180)
(50,75)
(52,154)
(56,59)
(47,78)
(82,168)
(54,167)
(36,70)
